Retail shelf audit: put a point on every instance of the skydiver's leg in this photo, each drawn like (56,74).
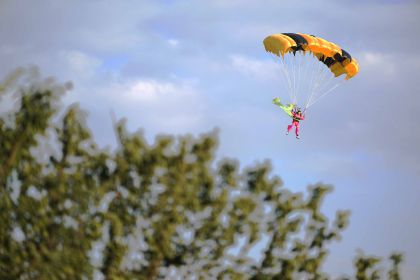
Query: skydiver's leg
(297,128)
(289,127)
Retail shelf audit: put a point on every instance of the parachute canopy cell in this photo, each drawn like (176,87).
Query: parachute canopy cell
(333,56)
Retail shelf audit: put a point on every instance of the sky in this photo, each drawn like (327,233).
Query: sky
(189,67)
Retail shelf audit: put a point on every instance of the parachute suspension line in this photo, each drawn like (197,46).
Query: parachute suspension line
(295,61)
(322,75)
(301,75)
(325,93)
(275,60)
(310,65)
(309,73)
(285,73)
(293,64)
(320,83)
(291,61)
(327,87)
(313,69)
(297,80)
(317,70)
(285,76)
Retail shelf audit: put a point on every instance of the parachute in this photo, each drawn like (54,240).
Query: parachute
(311,67)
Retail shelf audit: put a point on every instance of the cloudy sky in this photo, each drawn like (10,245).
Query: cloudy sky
(191,66)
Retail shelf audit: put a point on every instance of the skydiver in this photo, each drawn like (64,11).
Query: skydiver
(297,116)
(294,112)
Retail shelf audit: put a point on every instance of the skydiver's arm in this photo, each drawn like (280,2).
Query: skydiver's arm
(299,117)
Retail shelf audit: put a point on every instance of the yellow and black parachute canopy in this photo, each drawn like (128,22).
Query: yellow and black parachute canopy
(334,57)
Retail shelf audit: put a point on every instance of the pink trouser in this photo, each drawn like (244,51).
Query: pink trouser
(294,123)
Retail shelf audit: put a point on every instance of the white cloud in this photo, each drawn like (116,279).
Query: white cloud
(79,64)
(376,61)
(257,69)
(158,106)
(173,42)
(372,58)
(150,91)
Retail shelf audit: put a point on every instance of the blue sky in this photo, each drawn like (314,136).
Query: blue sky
(190,66)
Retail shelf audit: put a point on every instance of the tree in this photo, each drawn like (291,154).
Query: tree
(69,209)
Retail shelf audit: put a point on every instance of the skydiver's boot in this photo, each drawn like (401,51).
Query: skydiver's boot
(297,137)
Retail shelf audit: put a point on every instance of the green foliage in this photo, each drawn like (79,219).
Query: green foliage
(152,209)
